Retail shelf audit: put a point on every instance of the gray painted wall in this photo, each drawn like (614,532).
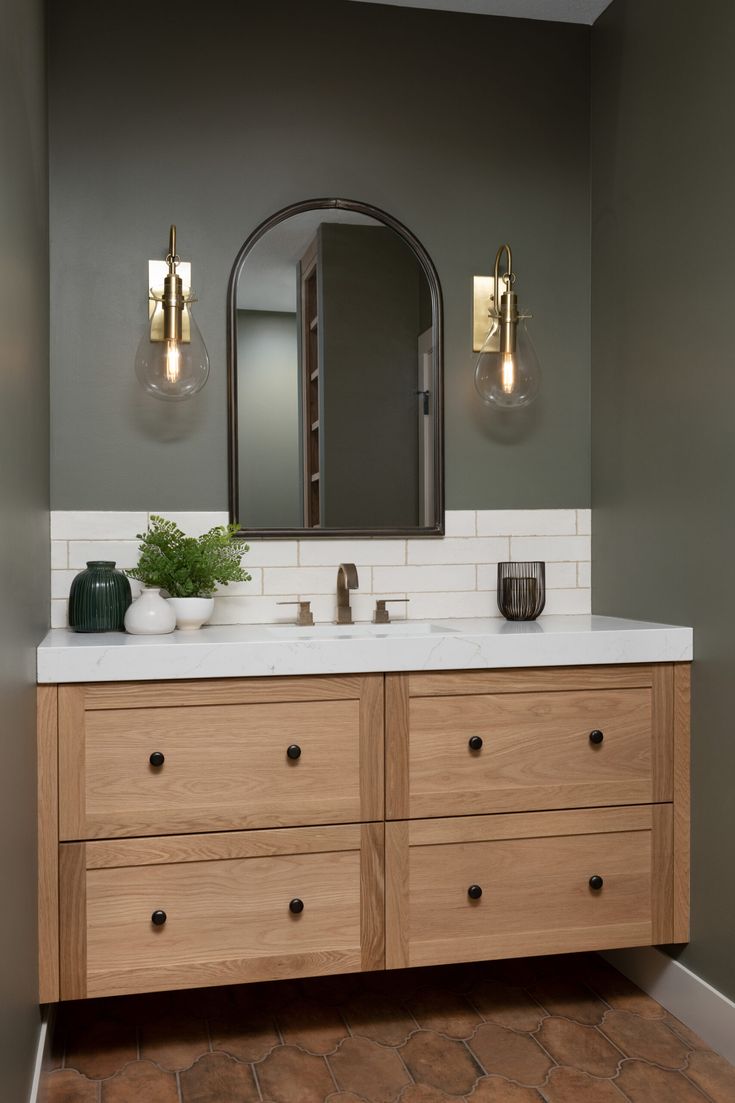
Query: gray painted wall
(663,383)
(268,401)
(24,541)
(274,102)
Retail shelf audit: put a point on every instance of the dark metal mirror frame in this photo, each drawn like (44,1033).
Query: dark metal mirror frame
(430,272)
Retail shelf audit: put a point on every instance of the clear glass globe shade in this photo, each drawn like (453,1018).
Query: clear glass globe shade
(507,380)
(173,370)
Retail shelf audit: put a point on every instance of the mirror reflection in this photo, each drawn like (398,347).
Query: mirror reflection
(336,361)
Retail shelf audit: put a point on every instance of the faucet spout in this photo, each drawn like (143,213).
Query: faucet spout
(346,580)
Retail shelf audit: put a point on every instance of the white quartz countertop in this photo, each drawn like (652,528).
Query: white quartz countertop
(270,650)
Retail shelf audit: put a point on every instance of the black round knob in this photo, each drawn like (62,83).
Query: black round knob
(596,737)
(296,906)
(596,882)
(158,918)
(157,759)
(294,751)
(475,742)
(474,892)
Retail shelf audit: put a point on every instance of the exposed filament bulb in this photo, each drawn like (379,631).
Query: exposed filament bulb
(173,361)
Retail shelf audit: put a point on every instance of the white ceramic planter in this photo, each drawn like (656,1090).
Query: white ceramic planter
(150,615)
(191,612)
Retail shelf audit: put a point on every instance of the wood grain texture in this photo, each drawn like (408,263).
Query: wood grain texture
(396,747)
(662,874)
(663,732)
(396,894)
(372,751)
(219,912)
(372,896)
(536,895)
(530,825)
(682,799)
(170,849)
(226,767)
(221,691)
(48,844)
(529,680)
(536,751)
(72,922)
(72,810)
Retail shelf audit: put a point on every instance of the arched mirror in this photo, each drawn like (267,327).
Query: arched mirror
(335,377)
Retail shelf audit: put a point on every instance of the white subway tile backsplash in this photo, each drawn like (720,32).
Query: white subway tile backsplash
(469,549)
(454,576)
(96,525)
(460,522)
(526,522)
(552,549)
(420,579)
(123,552)
(330,553)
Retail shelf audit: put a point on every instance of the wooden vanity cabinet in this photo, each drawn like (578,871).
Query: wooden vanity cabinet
(221,831)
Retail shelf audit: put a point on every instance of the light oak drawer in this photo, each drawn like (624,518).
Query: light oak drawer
(226,899)
(553,739)
(222,754)
(534,871)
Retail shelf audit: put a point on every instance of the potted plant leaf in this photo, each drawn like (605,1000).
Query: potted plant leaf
(189,568)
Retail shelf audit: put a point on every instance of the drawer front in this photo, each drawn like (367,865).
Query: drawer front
(534,874)
(543,748)
(220,765)
(228,907)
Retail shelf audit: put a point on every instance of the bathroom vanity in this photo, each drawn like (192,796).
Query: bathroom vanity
(258,803)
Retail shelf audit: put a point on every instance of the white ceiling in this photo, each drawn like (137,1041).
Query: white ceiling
(561,11)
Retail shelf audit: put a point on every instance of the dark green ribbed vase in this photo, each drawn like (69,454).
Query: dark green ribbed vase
(98,598)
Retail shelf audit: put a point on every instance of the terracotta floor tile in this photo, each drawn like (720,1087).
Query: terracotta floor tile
(100,1048)
(140,1081)
(568,1085)
(494,1089)
(618,991)
(218,1078)
(511,1007)
(423,1093)
(345,1097)
(68,1086)
(567,996)
(380,1018)
(247,1038)
(440,1062)
(583,1047)
(713,1074)
(444,1011)
(506,1053)
(316,1027)
(644,1083)
(287,1075)
(365,1068)
(647,1038)
(174,1042)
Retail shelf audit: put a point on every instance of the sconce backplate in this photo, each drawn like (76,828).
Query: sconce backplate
(483,288)
(157,272)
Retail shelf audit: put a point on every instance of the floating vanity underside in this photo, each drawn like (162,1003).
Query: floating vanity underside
(375,800)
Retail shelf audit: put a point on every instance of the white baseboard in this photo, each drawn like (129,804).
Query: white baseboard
(709,1014)
(42,1050)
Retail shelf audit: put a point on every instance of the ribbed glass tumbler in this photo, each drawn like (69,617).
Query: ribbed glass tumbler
(98,598)
(521,590)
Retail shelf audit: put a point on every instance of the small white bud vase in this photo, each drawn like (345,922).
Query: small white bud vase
(150,615)
(191,612)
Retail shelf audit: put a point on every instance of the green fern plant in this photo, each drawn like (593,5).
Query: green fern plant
(189,566)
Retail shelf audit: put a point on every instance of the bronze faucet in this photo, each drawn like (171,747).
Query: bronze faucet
(346,581)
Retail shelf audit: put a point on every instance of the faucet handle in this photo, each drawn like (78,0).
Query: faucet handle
(381,614)
(304,617)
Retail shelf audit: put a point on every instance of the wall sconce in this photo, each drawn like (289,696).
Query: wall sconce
(507,372)
(171,361)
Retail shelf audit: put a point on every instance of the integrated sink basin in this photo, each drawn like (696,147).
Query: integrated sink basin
(357,631)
